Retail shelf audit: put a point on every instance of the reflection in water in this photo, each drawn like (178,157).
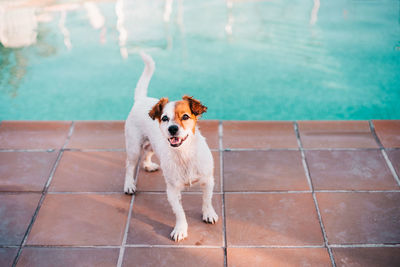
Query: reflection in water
(64,30)
(168,10)
(229,25)
(15,64)
(123,34)
(17,26)
(314,12)
(96,19)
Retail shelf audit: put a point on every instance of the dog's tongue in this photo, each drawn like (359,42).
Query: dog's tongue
(174,140)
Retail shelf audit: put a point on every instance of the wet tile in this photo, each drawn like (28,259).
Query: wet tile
(394,156)
(259,134)
(264,171)
(90,172)
(153,220)
(25,171)
(355,218)
(7,256)
(350,170)
(336,134)
(260,257)
(388,132)
(154,181)
(174,257)
(272,219)
(33,134)
(367,257)
(75,219)
(98,135)
(209,129)
(43,257)
(16,211)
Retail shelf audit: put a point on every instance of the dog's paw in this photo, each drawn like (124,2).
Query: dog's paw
(151,167)
(210,216)
(179,233)
(130,189)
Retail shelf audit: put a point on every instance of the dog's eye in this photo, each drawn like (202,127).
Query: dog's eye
(164,118)
(185,117)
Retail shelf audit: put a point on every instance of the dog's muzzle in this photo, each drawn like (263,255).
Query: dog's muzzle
(176,141)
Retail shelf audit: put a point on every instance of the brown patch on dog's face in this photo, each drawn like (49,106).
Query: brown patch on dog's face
(157,110)
(184,115)
(187,112)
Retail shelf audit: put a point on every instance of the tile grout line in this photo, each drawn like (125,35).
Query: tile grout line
(212,149)
(73,246)
(383,151)
(171,246)
(123,246)
(365,246)
(304,149)
(42,197)
(27,150)
(303,157)
(200,193)
(128,220)
(307,173)
(361,245)
(221,164)
(277,246)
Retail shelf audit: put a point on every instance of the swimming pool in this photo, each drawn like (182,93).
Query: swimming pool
(246,60)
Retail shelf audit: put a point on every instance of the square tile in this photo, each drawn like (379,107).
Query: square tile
(16,211)
(153,220)
(394,156)
(367,257)
(209,129)
(98,135)
(66,257)
(388,132)
(272,219)
(7,256)
(260,257)
(264,171)
(102,171)
(361,218)
(350,170)
(336,134)
(259,134)
(154,181)
(80,219)
(25,171)
(33,134)
(174,257)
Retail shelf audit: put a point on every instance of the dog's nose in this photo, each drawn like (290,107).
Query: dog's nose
(173,129)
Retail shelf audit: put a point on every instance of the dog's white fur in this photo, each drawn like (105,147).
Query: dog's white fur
(191,162)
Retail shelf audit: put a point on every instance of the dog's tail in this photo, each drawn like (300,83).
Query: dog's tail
(143,83)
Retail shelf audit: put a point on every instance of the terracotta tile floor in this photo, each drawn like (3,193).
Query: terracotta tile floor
(308,193)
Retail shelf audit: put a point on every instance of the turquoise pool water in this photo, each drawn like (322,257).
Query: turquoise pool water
(246,60)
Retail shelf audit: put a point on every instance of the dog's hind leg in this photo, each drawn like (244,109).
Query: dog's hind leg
(148,165)
(132,152)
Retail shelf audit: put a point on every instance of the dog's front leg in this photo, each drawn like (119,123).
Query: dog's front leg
(174,197)
(209,214)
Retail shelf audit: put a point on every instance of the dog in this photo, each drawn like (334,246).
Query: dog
(169,129)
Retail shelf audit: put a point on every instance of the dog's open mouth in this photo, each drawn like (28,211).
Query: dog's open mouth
(176,141)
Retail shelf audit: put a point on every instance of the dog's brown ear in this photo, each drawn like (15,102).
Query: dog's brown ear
(195,105)
(156,111)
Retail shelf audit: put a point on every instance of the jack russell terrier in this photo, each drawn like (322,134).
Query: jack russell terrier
(170,130)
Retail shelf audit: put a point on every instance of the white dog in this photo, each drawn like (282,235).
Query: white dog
(170,130)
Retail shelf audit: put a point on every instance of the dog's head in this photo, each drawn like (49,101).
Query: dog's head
(177,119)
